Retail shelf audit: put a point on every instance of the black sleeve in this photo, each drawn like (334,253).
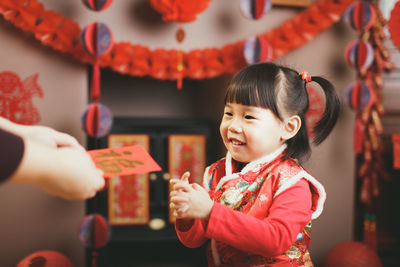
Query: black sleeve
(11,152)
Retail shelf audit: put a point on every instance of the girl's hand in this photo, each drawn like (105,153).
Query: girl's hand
(178,205)
(199,203)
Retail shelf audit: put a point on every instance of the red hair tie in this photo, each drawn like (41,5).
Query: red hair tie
(305,76)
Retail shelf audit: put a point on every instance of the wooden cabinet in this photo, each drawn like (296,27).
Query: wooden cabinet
(153,242)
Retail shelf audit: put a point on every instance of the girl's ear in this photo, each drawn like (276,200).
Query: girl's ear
(291,127)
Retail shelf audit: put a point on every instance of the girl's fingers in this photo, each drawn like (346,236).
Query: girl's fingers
(179,186)
(185,177)
(179,199)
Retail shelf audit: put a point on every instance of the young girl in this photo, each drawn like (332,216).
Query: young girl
(256,204)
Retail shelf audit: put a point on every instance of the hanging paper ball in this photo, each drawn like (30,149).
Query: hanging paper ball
(45,258)
(256,49)
(97,5)
(360,15)
(394,24)
(179,10)
(97,120)
(97,38)
(352,254)
(94,231)
(254,9)
(359,96)
(360,55)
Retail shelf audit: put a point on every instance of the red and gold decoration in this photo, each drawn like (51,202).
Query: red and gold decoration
(129,195)
(254,9)
(394,24)
(179,11)
(186,153)
(61,33)
(365,97)
(16,98)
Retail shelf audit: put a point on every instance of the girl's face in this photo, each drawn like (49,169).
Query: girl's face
(250,132)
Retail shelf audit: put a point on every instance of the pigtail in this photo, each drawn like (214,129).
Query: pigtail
(325,125)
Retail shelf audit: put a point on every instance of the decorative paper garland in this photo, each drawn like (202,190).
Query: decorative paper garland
(62,34)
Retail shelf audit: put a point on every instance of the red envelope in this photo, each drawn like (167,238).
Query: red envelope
(126,160)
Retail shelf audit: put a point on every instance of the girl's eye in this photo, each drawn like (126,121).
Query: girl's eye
(249,117)
(228,114)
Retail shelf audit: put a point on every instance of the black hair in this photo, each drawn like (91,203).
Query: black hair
(281,89)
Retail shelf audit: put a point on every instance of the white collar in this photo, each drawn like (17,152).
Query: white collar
(249,166)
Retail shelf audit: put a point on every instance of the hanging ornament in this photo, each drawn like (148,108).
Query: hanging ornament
(97,39)
(256,49)
(97,5)
(360,55)
(180,36)
(96,120)
(45,258)
(360,16)
(179,10)
(394,24)
(94,231)
(359,96)
(255,9)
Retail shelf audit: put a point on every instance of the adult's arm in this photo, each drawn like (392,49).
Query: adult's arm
(11,152)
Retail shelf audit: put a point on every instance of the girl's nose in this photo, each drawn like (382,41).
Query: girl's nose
(235,127)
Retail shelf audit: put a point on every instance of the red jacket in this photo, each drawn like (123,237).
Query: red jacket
(261,215)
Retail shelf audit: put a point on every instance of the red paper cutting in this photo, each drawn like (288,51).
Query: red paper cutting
(122,161)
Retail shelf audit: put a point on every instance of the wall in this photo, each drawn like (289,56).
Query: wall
(51,223)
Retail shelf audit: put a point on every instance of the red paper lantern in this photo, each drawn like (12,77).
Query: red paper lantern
(254,9)
(360,15)
(359,96)
(94,231)
(360,55)
(97,38)
(352,254)
(179,10)
(394,24)
(256,49)
(97,5)
(97,120)
(45,258)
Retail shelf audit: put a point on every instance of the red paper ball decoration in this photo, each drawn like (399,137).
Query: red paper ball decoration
(359,96)
(256,49)
(45,258)
(94,231)
(97,38)
(360,15)
(360,55)
(254,9)
(352,254)
(179,10)
(97,5)
(394,24)
(97,120)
